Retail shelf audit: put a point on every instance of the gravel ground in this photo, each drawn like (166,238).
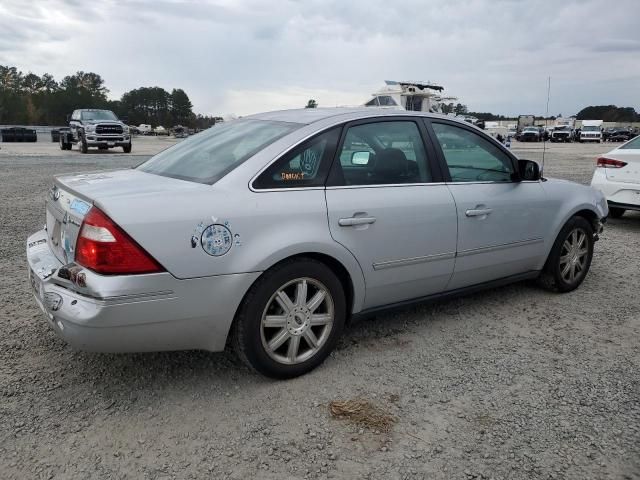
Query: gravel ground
(510,383)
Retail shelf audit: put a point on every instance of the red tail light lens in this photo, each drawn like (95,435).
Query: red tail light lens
(610,163)
(105,248)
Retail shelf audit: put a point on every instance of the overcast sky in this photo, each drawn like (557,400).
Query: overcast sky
(245,56)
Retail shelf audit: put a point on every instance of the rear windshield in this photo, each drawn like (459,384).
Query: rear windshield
(210,155)
(633,144)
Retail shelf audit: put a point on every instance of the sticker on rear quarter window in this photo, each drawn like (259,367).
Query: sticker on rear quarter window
(79,206)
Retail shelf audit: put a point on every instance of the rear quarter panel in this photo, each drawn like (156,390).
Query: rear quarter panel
(266,228)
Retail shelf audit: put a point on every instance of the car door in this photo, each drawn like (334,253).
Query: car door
(387,205)
(501,220)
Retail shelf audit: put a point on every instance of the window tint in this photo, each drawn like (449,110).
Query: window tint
(470,157)
(210,155)
(383,153)
(305,166)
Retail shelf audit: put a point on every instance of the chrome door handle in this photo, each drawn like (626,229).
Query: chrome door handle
(478,212)
(352,221)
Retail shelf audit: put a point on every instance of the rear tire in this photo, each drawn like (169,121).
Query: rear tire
(290,319)
(615,212)
(570,257)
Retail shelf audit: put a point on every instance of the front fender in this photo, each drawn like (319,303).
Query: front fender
(566,199)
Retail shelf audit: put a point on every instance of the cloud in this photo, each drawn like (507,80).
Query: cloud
(246,55)
(243,102)
(618,45)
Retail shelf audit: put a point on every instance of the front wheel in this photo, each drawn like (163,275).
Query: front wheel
(291,319)
(83,144)
(570,257)
(127,148)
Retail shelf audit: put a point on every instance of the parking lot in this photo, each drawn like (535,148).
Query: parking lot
(510,383)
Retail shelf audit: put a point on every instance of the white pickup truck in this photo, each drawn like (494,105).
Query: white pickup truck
(91,127)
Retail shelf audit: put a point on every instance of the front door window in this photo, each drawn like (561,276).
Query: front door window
(470,157)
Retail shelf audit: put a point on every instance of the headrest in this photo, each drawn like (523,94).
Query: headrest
(390,163)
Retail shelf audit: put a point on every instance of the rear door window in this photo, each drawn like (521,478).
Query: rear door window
(383,153)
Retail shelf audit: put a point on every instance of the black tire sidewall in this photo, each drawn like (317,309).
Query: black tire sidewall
(255,302)
(616,212)
(83,144)
(553,263)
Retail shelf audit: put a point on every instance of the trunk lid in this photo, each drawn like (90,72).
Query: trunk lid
(71,197)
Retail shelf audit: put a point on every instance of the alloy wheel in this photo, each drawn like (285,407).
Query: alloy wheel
(297,321)
(573,256)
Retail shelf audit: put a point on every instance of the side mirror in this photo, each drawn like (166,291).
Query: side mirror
(529,170)
(125,120)
(360,158)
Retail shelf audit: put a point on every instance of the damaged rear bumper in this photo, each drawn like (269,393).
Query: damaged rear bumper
(132,313)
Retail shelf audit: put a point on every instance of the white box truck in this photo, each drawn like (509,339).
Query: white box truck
(590,131)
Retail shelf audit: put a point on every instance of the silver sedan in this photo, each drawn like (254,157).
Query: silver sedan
(276,229)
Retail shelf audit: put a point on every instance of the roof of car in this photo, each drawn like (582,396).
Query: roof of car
(311,115)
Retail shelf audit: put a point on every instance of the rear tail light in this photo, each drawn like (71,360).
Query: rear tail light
(610,163)
(105,248)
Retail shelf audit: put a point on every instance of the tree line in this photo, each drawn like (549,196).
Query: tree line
(608,113)
(30,99)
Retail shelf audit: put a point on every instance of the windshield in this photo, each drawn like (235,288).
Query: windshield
(590,128)
(98,115)
(210,155)
(633,144)
(531,129)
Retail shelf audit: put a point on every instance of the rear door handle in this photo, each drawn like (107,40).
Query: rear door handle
(353,221)
(478,212)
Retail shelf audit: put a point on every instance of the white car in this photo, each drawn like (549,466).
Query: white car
(618,177)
